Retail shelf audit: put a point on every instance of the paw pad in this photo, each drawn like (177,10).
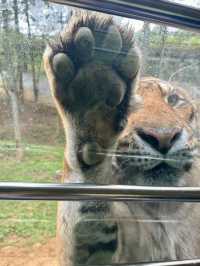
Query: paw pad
(93,62)
(63,67)
(84,44)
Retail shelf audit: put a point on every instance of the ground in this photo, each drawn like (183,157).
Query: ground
(27,228)
(37,255)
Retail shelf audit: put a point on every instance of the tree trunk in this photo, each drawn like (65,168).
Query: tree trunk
(145,46)
(33,71)
(20,84)
(10,81)
(16,124)
(4,86)
(163,32)
(5,15)
(35,88)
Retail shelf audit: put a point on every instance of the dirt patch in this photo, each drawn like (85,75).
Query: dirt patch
(36,255)
(39,124)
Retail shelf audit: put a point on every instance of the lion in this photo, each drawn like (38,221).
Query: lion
(120,129)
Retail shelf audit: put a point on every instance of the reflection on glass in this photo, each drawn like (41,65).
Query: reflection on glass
(27,233)
(191,3)
(119,130)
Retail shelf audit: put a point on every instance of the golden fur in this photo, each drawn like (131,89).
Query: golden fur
(92,70)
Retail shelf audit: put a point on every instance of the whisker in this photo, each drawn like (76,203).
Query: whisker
(159,158)
(130,151)
(139,220)
(134,151)
(181,69)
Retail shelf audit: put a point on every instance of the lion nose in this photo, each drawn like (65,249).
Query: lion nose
(160,139)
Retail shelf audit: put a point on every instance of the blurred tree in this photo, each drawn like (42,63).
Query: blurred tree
(163,38)
(145,45)
(8,70)
(19,57)
(31,50)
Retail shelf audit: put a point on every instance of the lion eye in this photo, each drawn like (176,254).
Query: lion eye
(173,99)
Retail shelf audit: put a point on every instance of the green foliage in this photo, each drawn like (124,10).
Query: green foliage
(174,38)
(28,222)
(183,39)
(10,50)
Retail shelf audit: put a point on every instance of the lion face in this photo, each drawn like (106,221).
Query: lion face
(158,143)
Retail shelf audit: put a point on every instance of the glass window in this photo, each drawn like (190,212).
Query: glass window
(127,93)
(191,3)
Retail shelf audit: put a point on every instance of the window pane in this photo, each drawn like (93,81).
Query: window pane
(27,233)
(96,94)
(191,3)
